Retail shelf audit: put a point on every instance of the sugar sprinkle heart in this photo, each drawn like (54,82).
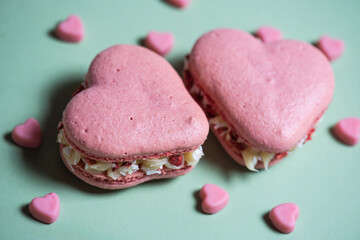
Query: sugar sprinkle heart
(179,3)
(161,43)
(45,209)
(268,34)
(347,130)
(213,197)
(28,134)
(71,30)
(284,216)
(332,48)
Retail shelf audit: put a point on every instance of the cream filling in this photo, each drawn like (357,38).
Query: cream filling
(149,166)
(250,155)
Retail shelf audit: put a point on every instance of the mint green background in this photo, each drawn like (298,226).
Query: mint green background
(39,73)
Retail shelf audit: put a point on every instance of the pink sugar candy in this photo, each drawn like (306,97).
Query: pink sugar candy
(213,197)
(71,30)
(332,48)
(284,217)
(268,34)
(179,3)
(348,130)
(45,209)
(161,43)
(28,134)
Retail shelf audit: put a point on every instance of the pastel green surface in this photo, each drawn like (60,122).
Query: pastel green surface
(39,73)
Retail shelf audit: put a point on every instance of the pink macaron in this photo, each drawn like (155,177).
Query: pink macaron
(262,100)
(131,121)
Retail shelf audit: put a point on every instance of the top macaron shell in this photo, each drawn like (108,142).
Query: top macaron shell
(135,105)
(270,93)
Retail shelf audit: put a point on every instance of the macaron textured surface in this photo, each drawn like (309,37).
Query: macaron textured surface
(134,107)
(39,74)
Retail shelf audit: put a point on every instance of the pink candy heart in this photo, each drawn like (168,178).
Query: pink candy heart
(268,34)
(179,3)
(284,217)
(70,30)
(45,209)
(27,134)
(213,197)
(348,130)
(332,48)
(161,43)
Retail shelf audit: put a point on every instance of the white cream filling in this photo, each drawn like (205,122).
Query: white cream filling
(149,166)
(250,155)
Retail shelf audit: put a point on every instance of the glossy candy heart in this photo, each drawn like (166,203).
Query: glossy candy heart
(71,30)
(27,134)
(268,34)
(45,209)
(332,48)
(348,130)
(160,43)
(284,217)
(179,3)
(213,197)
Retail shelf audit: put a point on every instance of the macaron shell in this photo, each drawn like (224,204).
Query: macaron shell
(270,93)
(124,182)
(135,104)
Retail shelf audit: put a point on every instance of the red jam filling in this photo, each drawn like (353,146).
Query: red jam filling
(176,160)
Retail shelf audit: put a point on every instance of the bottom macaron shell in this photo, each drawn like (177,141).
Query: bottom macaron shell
(231,150)
(125,182)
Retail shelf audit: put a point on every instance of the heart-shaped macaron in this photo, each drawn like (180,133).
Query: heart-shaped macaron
(270,94)
(179,3)
(45,209)
(213,197)
(268,34)
(134,108)
(348,130)
(332,48)
(284,217)
(27,134)
(71,30)
(160,43)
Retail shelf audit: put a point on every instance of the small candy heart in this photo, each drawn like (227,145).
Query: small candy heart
(27,134)
(70,30)
(332,48)
(268,34)
(213,197)
(284,217)
(161,43)
(348,130)
(45,209)
(179,3)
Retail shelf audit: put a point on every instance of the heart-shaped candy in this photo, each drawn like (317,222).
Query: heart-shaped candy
(179,3)
(284,217)
(27,134)
(71,30)
(213,197)
(332,48)
(160,43)
(348,130)
(45,209)
(268,34)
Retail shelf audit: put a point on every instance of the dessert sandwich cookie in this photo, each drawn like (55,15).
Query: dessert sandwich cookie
(262,100)
(131,121)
